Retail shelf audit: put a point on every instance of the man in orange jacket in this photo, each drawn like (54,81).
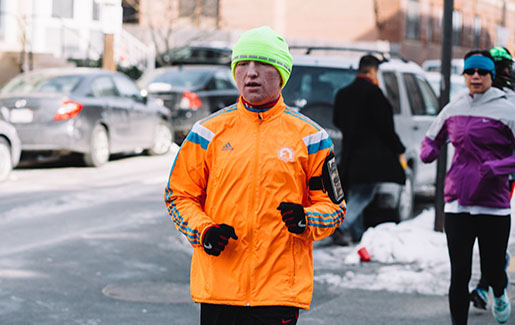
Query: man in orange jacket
(251,188)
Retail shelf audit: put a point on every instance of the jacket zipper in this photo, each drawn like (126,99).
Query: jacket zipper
(252,211)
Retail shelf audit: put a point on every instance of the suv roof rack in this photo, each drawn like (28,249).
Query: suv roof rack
(385,55)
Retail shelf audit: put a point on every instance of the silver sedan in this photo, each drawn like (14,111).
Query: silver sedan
(89,111)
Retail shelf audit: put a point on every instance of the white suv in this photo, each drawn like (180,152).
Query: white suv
(311,90)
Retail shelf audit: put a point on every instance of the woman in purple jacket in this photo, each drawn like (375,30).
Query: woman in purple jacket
(481,127)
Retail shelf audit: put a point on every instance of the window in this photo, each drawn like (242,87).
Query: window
(127,88)
(130,14)
(429,29)
(2,17)
(476,29)
(422,99)
(315,84)
(416,102)
(103,87)
(61,84)
(96,11)
(412,20)
(186,8)
(457,27)
(41,82)
(222,80)
(430,101)
(180,78)
(392,90)
(62,8)
(209,8)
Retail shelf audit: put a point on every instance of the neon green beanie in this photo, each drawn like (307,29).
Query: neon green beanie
(265,45)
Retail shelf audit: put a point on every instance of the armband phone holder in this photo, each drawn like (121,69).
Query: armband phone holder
(329,181)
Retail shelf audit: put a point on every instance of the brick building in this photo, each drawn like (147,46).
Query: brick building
(413,27)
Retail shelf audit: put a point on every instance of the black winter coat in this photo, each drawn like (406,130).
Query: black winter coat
(370,146)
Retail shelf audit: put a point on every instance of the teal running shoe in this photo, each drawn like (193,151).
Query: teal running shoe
(501,308)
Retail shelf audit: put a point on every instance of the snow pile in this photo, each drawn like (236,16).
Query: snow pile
(413,258)
(416,252)
(412,241)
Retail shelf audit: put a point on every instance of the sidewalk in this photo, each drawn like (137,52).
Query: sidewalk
(354,306)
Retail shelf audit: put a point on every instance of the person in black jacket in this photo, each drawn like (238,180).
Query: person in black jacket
(371,150)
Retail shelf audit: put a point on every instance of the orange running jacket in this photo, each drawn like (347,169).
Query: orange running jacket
(235,167)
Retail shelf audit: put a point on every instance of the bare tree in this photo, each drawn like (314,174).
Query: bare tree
(163,25)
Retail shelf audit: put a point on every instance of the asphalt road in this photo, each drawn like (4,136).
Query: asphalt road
(95,246)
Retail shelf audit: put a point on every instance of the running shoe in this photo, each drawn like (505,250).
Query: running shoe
(479,298)
(501,308)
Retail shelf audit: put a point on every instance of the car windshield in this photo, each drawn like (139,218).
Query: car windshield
(179,78)
(314,85)
(41,83)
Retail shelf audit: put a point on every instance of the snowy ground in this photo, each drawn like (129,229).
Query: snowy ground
(412,256)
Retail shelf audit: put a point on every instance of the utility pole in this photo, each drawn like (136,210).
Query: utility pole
(108,55)
(445,86)
(111,20)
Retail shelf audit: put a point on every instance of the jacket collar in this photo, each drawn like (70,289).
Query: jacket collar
(365,77)
(489,95)
(262,114)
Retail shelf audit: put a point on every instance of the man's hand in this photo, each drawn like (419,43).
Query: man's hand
(216,238)
(293,216)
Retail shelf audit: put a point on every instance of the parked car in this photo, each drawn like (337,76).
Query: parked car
(191,92)
(457,83)
(197,54)
(10,147)
(311,89)
(435,66)
(89,111)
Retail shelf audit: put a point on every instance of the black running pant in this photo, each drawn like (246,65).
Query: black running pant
(461,230)
(239,315)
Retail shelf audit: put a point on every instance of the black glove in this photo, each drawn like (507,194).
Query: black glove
(216,238)
(293,216)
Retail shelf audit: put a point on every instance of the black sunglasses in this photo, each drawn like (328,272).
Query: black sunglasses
(471,72)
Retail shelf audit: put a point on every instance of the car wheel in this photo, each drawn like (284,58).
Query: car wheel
(163,139)
(5,159)
(98,153)
(406,201)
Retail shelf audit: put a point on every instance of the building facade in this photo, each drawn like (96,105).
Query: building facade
(47,33)
(413,27)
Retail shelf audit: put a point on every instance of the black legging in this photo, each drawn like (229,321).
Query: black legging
(493,234)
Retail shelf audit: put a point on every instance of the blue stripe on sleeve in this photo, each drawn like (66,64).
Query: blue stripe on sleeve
(325,220)
(316,147)
(192,235)
(195,138)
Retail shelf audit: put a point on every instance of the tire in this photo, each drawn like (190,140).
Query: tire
(406,203)
(98,153)
(6,164)
(162,142)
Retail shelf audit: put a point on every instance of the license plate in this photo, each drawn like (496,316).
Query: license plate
(22,115)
